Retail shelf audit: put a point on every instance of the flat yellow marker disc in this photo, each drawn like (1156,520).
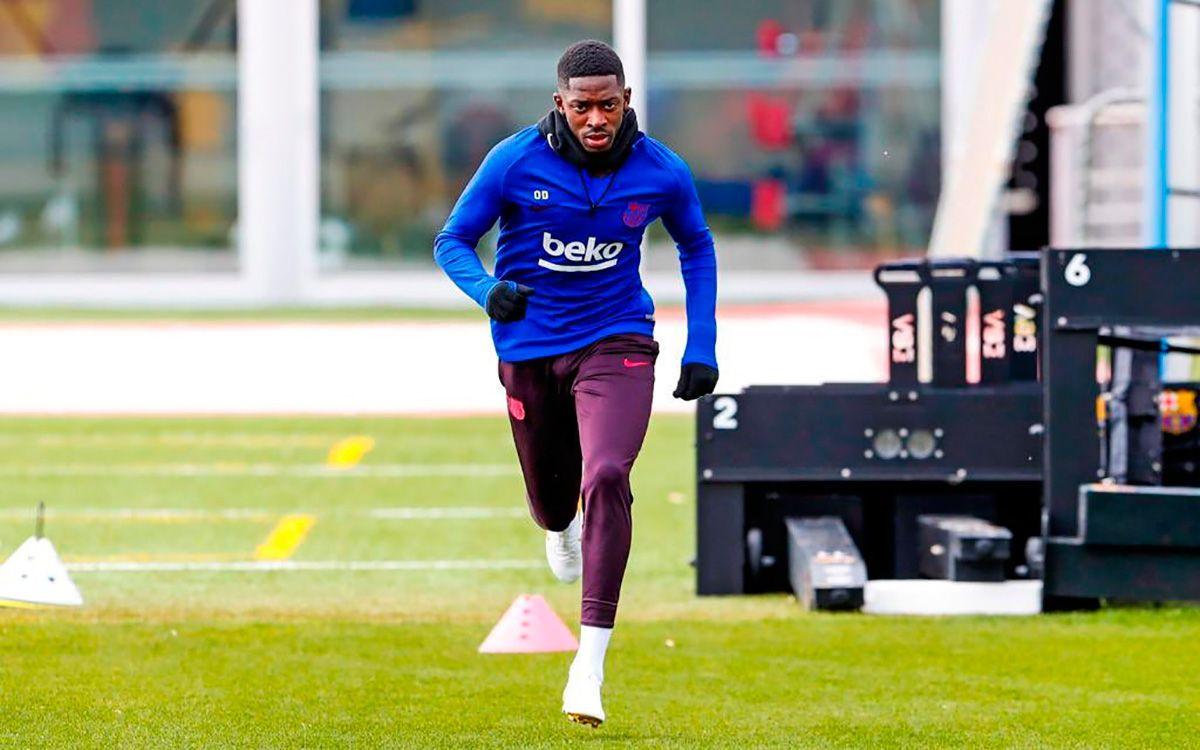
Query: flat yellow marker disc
(287,535)
(347,453)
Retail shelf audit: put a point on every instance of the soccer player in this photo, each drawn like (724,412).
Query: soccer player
(573,325)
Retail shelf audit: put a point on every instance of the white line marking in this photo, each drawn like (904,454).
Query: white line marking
(190,439)
(258,470)
(269,566)
(259,514)
(146,514)
(405,514)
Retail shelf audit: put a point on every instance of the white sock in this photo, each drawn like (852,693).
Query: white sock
(593,643)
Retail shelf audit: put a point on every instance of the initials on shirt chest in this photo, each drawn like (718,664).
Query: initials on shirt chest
(617,208)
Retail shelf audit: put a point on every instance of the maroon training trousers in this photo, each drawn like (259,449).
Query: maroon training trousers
(578,421)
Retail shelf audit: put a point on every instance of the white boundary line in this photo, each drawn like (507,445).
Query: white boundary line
(415,513)
(271,566)
(259,470)
(146,514)
(406,514)
(182,439)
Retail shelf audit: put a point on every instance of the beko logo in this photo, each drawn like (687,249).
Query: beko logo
(593,256)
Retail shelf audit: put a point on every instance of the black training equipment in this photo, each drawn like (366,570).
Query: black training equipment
(962,548)
(999,413)
(825,568)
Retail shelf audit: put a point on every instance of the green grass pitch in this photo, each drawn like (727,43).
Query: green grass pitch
(363,659)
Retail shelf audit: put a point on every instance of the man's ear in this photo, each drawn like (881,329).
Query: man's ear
(628,96)
(558,103)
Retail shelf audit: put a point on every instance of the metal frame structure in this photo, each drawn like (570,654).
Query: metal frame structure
(1089,294)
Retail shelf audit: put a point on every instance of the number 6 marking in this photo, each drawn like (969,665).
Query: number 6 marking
(1078,273)
(725,413)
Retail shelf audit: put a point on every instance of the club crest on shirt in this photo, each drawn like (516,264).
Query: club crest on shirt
(635,214)
(1178,409)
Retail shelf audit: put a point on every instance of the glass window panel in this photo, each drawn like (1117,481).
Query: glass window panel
(118,135)
(414,94)
(812,126)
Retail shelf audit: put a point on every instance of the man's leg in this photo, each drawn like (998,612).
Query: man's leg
(614,388)
(614,385)
(546,436)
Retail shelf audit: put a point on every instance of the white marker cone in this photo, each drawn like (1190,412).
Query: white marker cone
(35,576)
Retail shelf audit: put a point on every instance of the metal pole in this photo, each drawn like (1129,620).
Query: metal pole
(278,198)
(1155,222)
(629,39)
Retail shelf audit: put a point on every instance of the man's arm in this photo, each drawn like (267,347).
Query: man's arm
(474,214)
(698,263)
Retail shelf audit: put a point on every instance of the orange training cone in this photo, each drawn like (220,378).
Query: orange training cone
(529,626)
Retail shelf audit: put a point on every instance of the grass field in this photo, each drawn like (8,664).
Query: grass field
(387,658)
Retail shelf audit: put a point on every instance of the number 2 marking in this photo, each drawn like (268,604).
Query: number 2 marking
(725,413)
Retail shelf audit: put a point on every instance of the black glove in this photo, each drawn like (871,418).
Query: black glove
(507,301)
(695,380)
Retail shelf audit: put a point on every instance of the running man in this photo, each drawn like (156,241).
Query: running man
(573,325)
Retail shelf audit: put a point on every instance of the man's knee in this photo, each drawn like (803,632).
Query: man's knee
(555,516)
(607,475)
(557,522)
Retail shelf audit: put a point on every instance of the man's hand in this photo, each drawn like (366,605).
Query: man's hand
(507,301)
(695,380)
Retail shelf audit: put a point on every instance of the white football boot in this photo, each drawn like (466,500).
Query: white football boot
(564,551)
(581,699)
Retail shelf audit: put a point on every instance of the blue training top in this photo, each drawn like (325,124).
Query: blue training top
(576,240)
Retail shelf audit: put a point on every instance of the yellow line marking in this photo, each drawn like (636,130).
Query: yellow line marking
(287,535)
(347,453)
(17,604)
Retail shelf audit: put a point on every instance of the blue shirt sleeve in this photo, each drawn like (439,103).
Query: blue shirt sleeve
(473,215)
(698,263)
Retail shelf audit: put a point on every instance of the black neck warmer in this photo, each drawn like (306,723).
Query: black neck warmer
(557,133)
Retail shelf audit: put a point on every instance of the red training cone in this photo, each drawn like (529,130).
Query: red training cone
(529,626)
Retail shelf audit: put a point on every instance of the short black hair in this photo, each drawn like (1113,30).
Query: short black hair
(589,58)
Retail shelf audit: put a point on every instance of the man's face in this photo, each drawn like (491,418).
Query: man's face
(593,106)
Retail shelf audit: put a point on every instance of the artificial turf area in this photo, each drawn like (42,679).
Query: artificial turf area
(387,658)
